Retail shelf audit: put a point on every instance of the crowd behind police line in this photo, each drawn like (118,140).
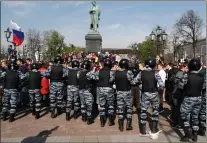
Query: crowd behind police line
(185,92)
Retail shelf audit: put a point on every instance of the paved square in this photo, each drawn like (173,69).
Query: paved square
(45,129)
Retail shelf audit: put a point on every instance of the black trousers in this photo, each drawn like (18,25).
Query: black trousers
(176,111)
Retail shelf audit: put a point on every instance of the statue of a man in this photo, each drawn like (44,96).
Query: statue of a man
(95,13)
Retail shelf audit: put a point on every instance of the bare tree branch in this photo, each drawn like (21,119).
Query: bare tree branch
(189,28)
(33,42)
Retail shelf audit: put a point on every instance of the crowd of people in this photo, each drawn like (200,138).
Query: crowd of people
(79,81)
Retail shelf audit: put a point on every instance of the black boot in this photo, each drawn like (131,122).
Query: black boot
(121,125)
(75,115)
(143,129)
(11,118)
(202,130)
(37,114)
(33,111)
(129,125)
(90,120)
(195,136)
(187,135)
(102,119)
(59,111)
(111,120)
(4,115)
(84,117)
(67,116)
(154,127)
(53,113)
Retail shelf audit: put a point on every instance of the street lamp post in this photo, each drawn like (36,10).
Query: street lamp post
(7,34)
(24,48)
(136,48)
(201,52)
(159,36)
(149,51)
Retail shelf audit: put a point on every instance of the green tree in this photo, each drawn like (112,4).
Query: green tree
(54,42)
(71,48)
(144,50)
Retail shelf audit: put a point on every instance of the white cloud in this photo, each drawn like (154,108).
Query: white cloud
(20,8)
(80,3)
(19,3)
(115,26)
(21,13)
(14,3)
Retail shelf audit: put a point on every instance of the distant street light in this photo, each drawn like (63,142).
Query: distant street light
(135,47)
(159,36)
(201,52)
(7,34)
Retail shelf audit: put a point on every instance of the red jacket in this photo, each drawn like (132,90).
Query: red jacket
(45,83)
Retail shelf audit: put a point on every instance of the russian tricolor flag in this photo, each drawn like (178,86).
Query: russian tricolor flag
(18,35)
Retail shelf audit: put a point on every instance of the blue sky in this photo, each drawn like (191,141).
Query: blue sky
(122,22)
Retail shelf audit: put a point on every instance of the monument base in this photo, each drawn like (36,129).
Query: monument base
(93,42)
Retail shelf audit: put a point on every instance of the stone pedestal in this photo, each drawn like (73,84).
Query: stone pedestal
(93,42)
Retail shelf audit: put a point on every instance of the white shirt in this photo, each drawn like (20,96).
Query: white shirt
(162,74)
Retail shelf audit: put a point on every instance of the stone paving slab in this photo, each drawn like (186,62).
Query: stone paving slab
(53,139)
(63,139)
(77,139)
(86,139)
(103,139)
(89,139)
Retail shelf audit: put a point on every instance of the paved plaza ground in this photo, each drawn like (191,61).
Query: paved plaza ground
(26,130)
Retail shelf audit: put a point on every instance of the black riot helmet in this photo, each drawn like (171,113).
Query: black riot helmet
(108,63)
(124,64)
(34,66)
(13,66)
(58,60)
(86,65)
(150,63)
(194,65)
(75,64)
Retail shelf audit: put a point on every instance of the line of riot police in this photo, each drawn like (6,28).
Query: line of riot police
(79,80)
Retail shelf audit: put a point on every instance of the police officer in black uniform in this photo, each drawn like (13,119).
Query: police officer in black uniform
(135,90)
(193,83)
(34,86)
(149,78)
(86,97)
(56,74)
(72,90)
(123,80)
(12,83)
(105,78)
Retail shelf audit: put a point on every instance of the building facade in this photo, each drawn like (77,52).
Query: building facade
(186,51)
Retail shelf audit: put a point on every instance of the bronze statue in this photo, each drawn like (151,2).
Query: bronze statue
(95,13)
